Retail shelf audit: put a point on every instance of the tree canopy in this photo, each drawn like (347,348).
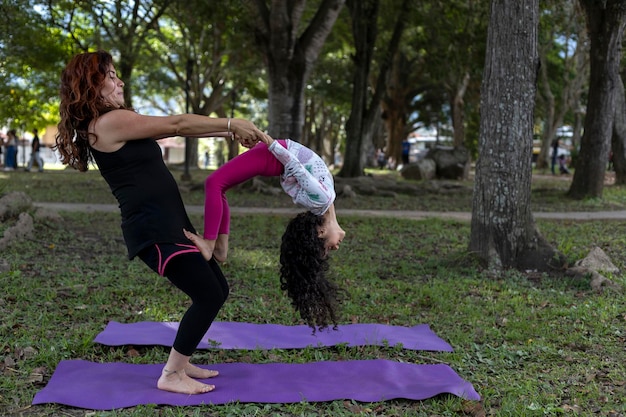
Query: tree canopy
(293,74)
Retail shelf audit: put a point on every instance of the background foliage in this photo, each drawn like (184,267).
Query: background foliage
(442,45)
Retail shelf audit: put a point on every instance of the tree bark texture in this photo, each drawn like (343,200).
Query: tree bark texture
(605,23)
(503,231)
(291,56)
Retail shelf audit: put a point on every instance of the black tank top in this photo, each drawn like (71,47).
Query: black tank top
(149,199)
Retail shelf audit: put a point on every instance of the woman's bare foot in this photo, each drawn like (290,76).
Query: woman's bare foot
(199,373)
(205,246)
(180,382)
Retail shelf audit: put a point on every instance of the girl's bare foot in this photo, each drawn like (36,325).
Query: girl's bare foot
(199,373)
(205,247)
(219,255)
(180,382)
(220,251)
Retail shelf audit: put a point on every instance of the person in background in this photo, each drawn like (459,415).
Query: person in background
(35,156)
(97,126)
(10,151)
(563,165)
(381,158)
(2,153)
(555,155)
(406,151)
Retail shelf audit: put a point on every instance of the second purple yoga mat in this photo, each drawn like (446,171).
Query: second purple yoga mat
(235,335)
(108,386)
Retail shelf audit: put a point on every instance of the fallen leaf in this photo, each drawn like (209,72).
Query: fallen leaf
(9,362)
(36,376)
(474,408)
(575,408)
(132,353)
(29,352)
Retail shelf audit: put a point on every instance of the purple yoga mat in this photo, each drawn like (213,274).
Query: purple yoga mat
(107,386)
(235,335)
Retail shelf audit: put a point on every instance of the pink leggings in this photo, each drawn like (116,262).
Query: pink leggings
(258,161)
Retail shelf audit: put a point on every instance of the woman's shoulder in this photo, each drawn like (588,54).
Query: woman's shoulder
(126,124)
(118,113)
(114,118)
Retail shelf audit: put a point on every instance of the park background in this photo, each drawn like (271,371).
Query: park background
(351,77)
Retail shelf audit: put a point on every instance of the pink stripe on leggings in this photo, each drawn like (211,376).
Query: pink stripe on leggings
(165,258)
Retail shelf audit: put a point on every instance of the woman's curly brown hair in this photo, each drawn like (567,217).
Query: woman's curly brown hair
(81,82)
(304,265)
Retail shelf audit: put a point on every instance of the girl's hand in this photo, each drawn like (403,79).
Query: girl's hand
(247,143)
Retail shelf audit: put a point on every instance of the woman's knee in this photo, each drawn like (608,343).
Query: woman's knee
(196,278)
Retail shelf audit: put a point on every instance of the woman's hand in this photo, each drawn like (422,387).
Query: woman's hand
(247,133)
(268,140)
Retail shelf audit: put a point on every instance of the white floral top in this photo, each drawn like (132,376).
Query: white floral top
(306,177)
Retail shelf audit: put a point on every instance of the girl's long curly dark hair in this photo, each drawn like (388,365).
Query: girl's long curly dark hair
(81,82)
(304,265)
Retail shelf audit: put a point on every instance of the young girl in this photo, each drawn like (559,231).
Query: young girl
(308,238)
(95,124)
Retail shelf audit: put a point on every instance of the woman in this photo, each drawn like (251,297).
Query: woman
(308,238)
(11,143)
(96,125)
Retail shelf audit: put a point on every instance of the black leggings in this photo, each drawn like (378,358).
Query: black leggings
(203,282)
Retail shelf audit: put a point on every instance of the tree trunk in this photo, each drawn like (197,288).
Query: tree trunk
(285,109)
(361,123)
(605,24)
(395,123)
(394,108)
(291,55)
(618,140)
(503,231)
(458,121)
(458,111)
(364,29)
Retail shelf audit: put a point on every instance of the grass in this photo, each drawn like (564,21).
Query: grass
(532,345)
(548,193)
